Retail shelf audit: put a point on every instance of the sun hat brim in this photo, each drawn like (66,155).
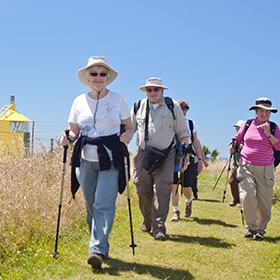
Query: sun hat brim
(83,77)
(273,110)
(143,88)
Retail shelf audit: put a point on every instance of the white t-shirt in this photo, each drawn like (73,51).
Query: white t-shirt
(195,129)
(111,109)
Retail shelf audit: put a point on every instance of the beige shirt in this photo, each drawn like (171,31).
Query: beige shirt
(162,126)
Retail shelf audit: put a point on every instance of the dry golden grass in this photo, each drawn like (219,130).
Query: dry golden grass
(217,166)
(29,198)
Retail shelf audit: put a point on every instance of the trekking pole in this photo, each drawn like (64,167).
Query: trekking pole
(220,175)
(55,252)
(236,148)
(225,189)
(126,155)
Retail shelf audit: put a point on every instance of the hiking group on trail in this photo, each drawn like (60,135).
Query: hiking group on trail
(169,153)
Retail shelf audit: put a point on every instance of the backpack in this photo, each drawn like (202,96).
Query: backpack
(168,101)
(191,129)
(276,153)
(170,106)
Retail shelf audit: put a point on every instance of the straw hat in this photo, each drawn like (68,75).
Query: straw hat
(239,123)
(96,61)
(153,82)
(264,103)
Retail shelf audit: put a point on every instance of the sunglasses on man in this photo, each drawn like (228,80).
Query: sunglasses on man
(152,89)
(95,74)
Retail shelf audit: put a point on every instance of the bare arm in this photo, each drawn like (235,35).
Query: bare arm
(198,149)
(74,131)
(128,134)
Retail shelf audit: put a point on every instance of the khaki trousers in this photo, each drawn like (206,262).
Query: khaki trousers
(154,190)
(256,190)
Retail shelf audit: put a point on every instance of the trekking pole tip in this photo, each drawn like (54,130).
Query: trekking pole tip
(55,254)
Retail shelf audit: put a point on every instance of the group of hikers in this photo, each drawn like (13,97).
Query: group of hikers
(169,152)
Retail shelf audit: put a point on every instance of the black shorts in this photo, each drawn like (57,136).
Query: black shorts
(190,176)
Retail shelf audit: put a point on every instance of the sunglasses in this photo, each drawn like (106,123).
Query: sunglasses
(152,89)
(95,74)
(186,108)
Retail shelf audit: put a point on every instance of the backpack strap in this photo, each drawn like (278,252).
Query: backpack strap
(136,106)
(272,128)
(191,128)
(170,104)
(248,123)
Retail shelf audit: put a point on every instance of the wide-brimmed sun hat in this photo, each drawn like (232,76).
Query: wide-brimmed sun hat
(96,61)
(153,82)
(239,123)
(264,103)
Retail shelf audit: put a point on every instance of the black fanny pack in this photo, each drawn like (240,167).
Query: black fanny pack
(154,158)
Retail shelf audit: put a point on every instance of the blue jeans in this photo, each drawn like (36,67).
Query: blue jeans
(100,189)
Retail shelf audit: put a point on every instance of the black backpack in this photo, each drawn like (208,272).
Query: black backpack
(191,129)
(170,104)
(272,130)
(168,101)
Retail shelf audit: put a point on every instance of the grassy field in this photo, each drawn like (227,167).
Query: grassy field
(208,245)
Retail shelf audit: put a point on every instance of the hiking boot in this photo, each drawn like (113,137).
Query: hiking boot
(160,236)
(259,236)
(176,216)
(145,228)
(188,209)
(96,260)
(250,233)
(106,256)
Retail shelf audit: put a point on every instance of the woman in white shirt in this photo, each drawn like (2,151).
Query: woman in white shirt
(95,119)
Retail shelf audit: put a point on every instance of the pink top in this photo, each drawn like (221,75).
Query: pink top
(257,148)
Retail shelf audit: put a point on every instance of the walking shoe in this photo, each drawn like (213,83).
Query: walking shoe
(188,209)
(176,216)
(259,236)
(95,260)
(145,228)
(233,203)
(250,233)
(160,236)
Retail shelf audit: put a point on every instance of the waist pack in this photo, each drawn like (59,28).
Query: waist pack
(154,158)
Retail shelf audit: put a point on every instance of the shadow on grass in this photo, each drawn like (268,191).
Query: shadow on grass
(211,222)
(158,272)
(205,241)
(272,239)
(208,200)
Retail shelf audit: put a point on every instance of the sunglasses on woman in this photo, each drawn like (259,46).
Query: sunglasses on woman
(95,74)
(152,89)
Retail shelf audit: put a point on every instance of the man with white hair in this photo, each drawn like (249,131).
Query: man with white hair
(157,119)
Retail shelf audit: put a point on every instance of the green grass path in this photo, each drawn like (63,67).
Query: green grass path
(208,245)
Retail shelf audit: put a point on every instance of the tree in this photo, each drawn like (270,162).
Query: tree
(214,154)
(206,150)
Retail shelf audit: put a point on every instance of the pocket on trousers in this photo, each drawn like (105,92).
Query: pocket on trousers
(137,168)
(241,170)
(269,175)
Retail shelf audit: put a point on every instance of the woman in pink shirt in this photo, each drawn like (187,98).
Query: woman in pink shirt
(256,168)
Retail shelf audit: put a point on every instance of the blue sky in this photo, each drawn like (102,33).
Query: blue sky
(220,55)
